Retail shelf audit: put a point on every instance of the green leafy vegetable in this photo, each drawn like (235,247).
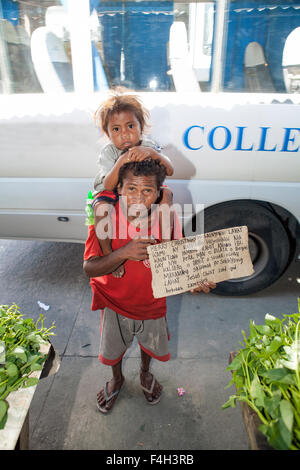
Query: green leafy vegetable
(266,374)
(20,341)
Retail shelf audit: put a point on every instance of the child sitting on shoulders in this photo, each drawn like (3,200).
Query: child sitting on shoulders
(123,119)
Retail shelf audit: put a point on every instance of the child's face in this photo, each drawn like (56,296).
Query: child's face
(124,130)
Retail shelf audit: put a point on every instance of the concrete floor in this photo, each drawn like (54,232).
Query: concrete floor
(204,329)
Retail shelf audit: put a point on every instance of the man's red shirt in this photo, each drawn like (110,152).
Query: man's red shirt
(130,295)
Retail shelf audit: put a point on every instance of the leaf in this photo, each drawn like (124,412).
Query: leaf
(236,363)
(274,345)
(289,364)
(12,370)
(3,421)
(293,356)
(253,332)
(297,433)
(230,402)
(20,353)
(264,330)
(287,414)
(2,312)
(257,392)
(238,380)
(285,433)
(36,366)
(295,399)
(30,382)
(273,434)
(273,322)
(3,408)
(11,380)
(19,327)
(31,357)
(271,405)
(32,337)
(270,318)
(41,340)
(280,375)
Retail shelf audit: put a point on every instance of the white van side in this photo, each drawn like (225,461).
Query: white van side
(233,155)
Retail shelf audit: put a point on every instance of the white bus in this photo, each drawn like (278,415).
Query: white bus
(221,80)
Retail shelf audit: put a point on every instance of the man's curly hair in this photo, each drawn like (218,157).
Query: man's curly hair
(148,167)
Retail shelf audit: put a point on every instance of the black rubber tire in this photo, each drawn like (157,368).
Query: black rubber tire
(268,242)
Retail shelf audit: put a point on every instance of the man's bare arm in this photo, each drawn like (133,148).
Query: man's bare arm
(135,250)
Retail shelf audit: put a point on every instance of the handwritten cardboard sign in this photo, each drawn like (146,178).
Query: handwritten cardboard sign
(178,266)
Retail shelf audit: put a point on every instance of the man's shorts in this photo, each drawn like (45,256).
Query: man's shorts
(117,333)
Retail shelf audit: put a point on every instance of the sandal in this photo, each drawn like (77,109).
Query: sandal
(150,391)
(107,399)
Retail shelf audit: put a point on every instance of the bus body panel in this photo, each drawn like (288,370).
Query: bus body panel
(223,148)
(207,137)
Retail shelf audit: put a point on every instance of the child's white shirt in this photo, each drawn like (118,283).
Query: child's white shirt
(109,154)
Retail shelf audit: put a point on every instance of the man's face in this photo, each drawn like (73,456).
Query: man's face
(124,130)
(139,191)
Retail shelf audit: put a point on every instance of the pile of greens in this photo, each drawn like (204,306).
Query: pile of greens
(20,341)
(266,373)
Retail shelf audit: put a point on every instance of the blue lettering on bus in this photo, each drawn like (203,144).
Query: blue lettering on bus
(239,140)
(227,138)
(288,142)
(288,139)
(186,138)
(263,138)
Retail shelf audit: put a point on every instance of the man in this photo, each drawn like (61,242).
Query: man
(127,303)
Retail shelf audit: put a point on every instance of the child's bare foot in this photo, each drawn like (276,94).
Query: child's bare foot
(119,272)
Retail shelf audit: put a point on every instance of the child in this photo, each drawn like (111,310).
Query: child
(123,119)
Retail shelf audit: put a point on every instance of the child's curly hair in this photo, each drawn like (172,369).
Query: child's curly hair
(118,102)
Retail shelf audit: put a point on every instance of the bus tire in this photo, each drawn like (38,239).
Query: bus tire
(268,243)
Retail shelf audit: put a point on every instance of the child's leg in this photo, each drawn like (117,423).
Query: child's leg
(113,386)
(166,216)
(102,211)
(152,396)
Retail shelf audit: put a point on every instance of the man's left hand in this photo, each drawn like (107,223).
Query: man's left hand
(204,286)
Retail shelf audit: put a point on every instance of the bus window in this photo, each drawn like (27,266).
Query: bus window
(291,62)
(134,39)
(157,45)
(142,45)
(266,25)
(34,48)
(58,46)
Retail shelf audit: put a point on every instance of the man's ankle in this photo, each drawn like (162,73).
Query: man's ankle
(118,379)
